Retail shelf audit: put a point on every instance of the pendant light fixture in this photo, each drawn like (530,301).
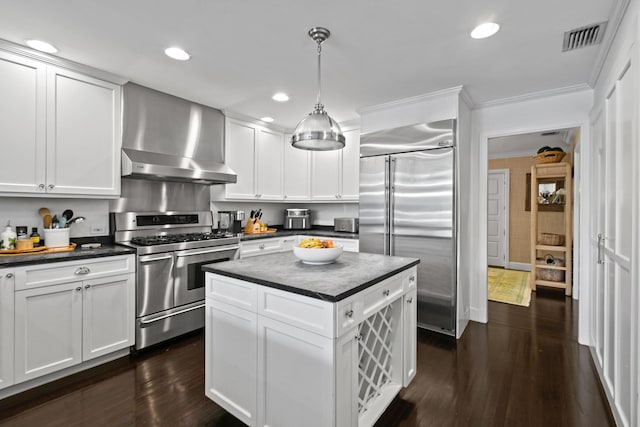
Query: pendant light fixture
(318,131)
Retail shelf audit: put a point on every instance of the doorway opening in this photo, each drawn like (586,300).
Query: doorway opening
(509,221)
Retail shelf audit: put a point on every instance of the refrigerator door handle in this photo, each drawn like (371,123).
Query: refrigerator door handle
(392,207)
(386,202)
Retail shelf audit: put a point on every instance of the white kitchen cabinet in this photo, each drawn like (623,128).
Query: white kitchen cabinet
(292,392)
(71,312)
(63,130)
(277,358)
(256,154)
(297,178)
(287,243)
(107,321)
(83,135)
(230,364)
(23,122)
(335,174)
(257,247)
(410,328)
(7,278)
(48,329)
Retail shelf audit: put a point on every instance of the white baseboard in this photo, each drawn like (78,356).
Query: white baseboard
(521,266)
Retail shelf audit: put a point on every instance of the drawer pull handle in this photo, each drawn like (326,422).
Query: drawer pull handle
(87,286)
(359,337)
(412,279)
(385,292)
(9,275)
(410,300)
(348,313)
(261,246)
(79,288)
(82,270)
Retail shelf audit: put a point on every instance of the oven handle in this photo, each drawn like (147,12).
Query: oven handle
(149,258)
(207,251)
(143,323)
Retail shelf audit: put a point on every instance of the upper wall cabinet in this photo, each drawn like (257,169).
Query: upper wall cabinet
(61,130)
(256,154)
(269,168)
(335,174)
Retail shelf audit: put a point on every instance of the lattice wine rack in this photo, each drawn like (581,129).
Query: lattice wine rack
(375,353)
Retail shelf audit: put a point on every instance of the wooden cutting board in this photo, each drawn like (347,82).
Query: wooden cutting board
(38,251)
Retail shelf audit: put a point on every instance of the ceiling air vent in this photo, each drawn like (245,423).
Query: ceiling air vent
(583,36)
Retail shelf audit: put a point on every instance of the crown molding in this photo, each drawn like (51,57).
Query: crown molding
(615,19)
(466,98)
(511,154)
(456,90)
(536,95)
(60,62)
(252,120)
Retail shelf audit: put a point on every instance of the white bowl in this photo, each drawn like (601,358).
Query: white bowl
(317,256)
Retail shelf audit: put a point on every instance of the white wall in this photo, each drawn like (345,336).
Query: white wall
(533,114)
(24,211)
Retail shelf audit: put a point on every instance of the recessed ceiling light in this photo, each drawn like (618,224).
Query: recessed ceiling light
(42,46)
(267,119)
(485,30)
(177,53)
(280,97)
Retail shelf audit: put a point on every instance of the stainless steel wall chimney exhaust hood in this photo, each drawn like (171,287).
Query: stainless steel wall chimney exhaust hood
(168,138)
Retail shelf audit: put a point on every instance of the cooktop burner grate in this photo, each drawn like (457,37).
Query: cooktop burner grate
(176,238)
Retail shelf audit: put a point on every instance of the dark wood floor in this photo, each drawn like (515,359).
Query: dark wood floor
(524,368)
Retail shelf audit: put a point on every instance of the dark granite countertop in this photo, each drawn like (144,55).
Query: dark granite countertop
(326,231)
(350,274)
(107,249)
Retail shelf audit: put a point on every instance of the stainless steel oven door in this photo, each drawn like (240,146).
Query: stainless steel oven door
(189,277)
(154,288)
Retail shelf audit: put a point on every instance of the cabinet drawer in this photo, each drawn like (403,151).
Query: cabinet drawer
(53,273)
(232,291)
(287,243)
(348,245)
(382,294)
(349,313)
(410,279)
(306,313)
(259,247)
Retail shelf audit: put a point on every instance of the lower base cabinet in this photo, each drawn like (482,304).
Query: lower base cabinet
(68,313)
(7,278)
(275,358)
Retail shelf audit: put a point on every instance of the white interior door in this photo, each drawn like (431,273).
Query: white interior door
(617,327)
(497,218)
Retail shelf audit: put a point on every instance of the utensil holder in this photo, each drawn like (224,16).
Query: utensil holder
(54,237)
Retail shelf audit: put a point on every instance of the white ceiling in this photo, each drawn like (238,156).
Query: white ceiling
(527,144)
(246,50)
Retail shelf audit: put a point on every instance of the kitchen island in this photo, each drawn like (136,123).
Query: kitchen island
(291,344)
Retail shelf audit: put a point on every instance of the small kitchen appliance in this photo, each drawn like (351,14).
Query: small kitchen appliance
(230,221)
(347,225)
(297,219)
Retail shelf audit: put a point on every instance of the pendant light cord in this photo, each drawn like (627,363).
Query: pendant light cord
(319,105)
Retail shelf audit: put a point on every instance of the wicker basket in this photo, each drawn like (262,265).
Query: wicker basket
(549,157)
(551,239)
(547,273)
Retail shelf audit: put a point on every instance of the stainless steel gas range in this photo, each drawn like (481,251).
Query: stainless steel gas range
(171,249)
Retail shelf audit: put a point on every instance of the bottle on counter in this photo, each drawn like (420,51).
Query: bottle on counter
(8,237)
(35,237)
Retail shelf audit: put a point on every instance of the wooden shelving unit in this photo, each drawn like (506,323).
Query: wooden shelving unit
(545,222)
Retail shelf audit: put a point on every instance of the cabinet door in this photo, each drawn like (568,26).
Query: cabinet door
(240,156)
(292,392)
(410,342)
(7,280)
(83,134)
(23,121)
(347,379)
(269,149)
(108,315)
(230,359)
(326,169)
(297,184)
(351,166)
(48,330)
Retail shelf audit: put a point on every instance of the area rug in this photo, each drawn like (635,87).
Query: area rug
(509,286)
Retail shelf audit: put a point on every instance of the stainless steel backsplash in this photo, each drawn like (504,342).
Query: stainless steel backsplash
(158,196)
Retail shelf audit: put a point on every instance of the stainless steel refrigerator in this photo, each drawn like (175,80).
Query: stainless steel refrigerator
(408,208)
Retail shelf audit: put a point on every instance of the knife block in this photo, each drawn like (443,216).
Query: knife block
(252,227)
